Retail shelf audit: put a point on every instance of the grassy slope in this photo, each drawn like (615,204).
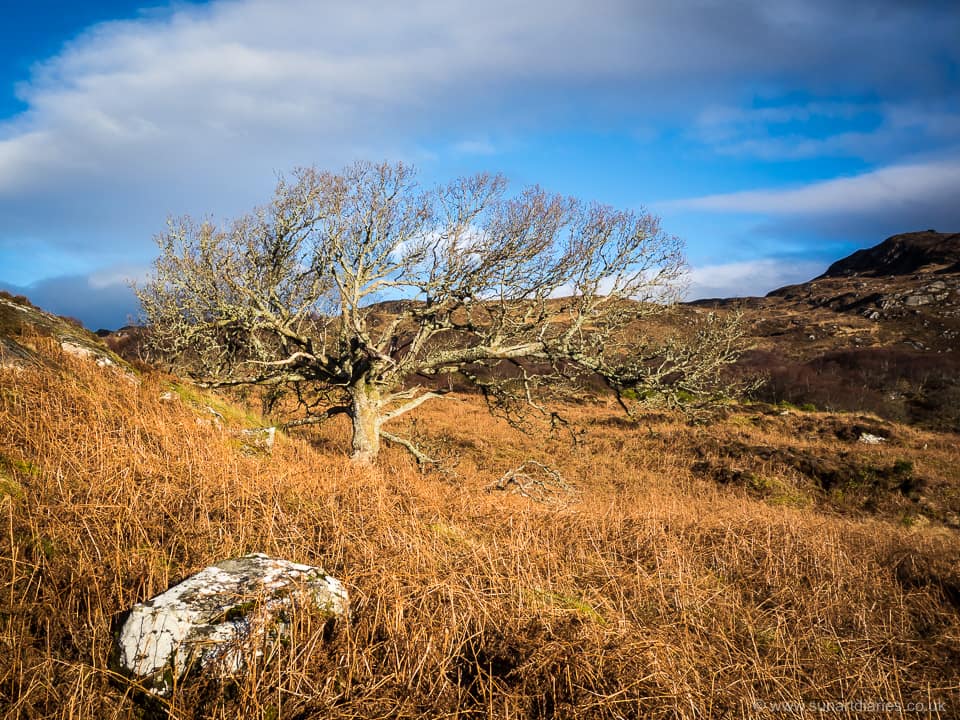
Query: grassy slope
(655,591)
(22,324)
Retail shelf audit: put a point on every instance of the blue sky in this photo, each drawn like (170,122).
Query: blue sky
(774,136)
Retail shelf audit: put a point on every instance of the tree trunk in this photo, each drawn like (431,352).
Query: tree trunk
(365,415)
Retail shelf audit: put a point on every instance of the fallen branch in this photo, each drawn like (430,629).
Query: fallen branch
(536,481)
(422,458)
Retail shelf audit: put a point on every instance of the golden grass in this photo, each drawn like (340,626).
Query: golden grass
(650,593)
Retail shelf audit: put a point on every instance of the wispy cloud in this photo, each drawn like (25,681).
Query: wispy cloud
(870,129)
(749,278)
(477,146)
(931,186)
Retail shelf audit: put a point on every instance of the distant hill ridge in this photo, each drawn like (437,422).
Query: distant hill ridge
(902,255)
(878,332)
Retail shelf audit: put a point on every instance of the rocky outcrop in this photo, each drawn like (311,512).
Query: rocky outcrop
(902,255)
(21,324)
(78,349)
(220,619)
(907,288)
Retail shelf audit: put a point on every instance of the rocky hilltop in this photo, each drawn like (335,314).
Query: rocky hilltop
(910,283)
(927,251)
(878,331)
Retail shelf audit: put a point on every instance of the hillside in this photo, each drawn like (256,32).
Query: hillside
(878,332)
(680,571)
(908,284)
(917,252)
(23,326)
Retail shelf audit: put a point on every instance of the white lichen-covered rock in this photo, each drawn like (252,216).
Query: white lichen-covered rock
(98,355)
(259,438)
(221,618)
(72,347)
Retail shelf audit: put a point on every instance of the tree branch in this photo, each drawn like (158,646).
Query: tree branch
(297,356)
(317,419)
(407,407)
(422,458)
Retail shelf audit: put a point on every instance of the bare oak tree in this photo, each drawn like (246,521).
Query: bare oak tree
(356,289)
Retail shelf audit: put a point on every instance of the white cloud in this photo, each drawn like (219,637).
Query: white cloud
(194,109)
(868,129)
(913,187)
(925,120)
(255,85)
(197,109)
(749,278)
(724,122)
(117,275)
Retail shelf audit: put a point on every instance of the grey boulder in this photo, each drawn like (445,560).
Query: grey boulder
(221,618)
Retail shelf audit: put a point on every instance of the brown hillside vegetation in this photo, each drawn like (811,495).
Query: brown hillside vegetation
(878,332)
(731,570)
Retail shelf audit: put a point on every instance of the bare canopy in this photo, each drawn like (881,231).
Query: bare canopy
(293,295)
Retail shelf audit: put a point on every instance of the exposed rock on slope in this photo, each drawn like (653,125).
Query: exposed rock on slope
(912,281)
(927,251)
(879,332)
(21,324)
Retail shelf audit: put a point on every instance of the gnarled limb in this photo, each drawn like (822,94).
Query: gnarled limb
(421,457)
(316,419)
(408,406)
